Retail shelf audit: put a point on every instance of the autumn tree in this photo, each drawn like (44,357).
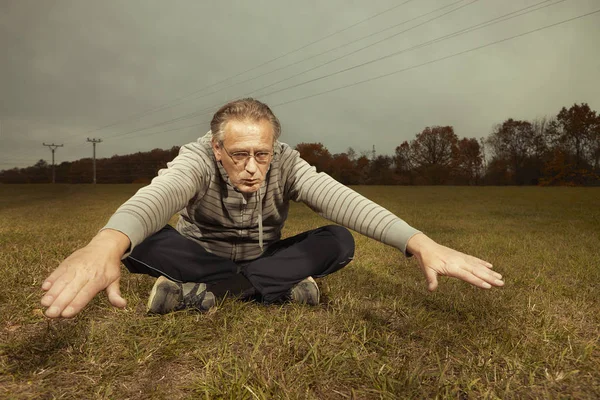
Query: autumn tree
(517,145)
(315,154)
(403,164)
(576,132)
(343,169)
(468,162)
(362,169)
(351,153)
(13,175)
(380,171)
(432,153)
(40,172)
(497,172)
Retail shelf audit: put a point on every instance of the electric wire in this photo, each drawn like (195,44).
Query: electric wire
(431,61)
(436,40)
(492,21)
(437,59)
(180,99)
(202,111)
(328,51)
(365,47)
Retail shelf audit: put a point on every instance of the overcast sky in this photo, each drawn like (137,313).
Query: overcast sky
(149,74)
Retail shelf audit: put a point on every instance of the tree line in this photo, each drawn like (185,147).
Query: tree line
(139,167)
(559,150)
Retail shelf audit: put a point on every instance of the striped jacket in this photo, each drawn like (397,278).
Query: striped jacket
(226,223)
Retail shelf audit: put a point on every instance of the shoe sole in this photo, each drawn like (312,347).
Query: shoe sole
(164,297)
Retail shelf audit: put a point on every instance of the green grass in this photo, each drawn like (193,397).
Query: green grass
(378,333)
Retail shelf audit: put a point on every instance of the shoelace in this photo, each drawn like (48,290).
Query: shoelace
(193,297)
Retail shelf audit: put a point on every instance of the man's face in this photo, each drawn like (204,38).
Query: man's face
(245,136)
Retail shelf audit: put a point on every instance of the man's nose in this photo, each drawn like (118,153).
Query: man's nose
(251,166)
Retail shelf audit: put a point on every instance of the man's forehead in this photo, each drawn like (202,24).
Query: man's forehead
(237,131)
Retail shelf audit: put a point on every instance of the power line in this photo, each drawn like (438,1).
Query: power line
(179,100)
(370,45)
(436,60)
(199,112)
(335,48)
(202,111)
(171,130)
(19,159)
(439,39)
(492,21)
(156,125)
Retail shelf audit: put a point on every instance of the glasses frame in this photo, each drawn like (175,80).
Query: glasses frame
(249,155)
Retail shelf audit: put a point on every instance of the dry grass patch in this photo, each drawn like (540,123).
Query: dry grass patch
(378,333)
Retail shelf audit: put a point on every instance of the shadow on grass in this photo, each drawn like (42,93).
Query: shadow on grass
(404,307)
(42,345)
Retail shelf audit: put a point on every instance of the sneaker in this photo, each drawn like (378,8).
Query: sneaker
(168,296)
(306,292)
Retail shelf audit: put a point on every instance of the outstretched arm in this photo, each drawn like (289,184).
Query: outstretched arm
(435,259)
(97,266)
(86,272)
(348,208)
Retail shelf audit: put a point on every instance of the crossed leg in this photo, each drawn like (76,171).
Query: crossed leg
(284,264)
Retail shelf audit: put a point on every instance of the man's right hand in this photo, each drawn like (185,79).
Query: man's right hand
(86,272)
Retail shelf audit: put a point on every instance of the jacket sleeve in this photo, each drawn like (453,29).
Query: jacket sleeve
(150,209)
(340,204)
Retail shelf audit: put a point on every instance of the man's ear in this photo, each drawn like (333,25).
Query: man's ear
(216,148)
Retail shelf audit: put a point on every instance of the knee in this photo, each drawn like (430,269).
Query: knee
(344,238)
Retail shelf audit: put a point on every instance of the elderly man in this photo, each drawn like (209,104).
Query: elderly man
(232,190)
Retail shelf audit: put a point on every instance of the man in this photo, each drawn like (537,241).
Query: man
(232,189)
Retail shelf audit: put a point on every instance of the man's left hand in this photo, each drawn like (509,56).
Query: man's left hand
(435,259)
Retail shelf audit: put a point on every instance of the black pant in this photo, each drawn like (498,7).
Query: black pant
(315,253)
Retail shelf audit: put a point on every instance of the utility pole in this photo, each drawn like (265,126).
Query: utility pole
(94,141)
(53,147)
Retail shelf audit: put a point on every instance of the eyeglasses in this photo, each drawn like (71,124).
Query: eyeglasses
(261,157)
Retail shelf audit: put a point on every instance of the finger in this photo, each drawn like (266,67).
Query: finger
(470,278)
(65,297)
(483,271)
(81,299)
(431,277)
(495,274)
(57,273)
(113,291)
(489,276)
(487,264)
(57,287)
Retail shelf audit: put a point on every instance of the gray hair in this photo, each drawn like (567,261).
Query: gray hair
(242,110)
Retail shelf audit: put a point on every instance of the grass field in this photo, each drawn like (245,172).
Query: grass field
(377,334)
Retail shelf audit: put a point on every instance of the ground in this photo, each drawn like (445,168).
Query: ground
(377,334)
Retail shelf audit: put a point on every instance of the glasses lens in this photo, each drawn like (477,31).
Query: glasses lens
(240,156)
(262,157)
(243,156)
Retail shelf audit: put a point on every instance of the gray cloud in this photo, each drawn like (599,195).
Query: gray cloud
(70,67)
